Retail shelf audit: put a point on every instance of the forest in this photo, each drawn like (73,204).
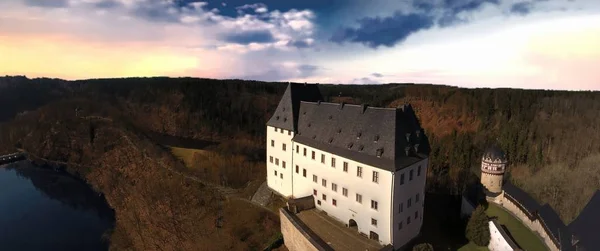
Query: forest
(551,138)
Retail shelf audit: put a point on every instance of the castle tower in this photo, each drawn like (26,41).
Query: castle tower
(493,166)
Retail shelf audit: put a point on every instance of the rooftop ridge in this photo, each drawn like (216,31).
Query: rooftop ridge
(354,105)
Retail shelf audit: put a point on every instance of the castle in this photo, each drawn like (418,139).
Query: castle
(581,235)
(363,166)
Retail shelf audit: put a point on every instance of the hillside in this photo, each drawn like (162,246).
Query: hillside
(547,135)
(156,209)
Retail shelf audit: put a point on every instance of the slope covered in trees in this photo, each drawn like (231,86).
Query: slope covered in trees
(547,135)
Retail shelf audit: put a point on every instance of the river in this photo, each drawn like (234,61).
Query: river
(41,209)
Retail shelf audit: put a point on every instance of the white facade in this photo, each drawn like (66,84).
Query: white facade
(335,184)
(497,240)
(279,160)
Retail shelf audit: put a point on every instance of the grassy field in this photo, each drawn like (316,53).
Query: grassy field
(186,154)
(523,236)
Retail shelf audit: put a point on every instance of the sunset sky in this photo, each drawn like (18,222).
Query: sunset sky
(533,44)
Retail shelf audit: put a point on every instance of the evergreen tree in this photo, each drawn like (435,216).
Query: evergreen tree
(478,230)
(423,247)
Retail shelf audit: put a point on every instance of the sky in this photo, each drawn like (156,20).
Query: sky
(530,44)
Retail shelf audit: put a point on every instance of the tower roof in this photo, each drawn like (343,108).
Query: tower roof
(494,153)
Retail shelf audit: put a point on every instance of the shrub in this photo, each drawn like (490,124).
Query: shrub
(423,247)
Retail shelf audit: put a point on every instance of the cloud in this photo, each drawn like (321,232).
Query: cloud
(107,4)
(522,8)
(387,31)
(377,75)
(250,37)
(47,3)
(284,72)
(364,81)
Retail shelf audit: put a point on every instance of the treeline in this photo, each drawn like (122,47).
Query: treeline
(535,128)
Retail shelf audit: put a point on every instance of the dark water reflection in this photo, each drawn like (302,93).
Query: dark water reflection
(41,209)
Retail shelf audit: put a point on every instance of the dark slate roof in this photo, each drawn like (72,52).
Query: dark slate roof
(494,153)
(286,114)
(506,235)
(375,136)
(523,198)
(585,226)
(555,225)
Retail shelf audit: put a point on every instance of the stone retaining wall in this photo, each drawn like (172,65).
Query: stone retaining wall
(297,236)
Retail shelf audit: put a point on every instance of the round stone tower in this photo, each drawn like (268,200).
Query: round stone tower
(493,166)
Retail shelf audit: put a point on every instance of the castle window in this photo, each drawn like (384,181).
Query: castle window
(419,171)
(375,177)
(271,159)
(289,132)
(333,162)
(324,197)
(409,203)
(297,149)
(408,220)
(304,172)
(314,191)
(358,198)
(313,155)
(282,131)
(297,168)
(330,140)
(324,182)
(283,147)
(416,214)
(374,205)
(275,172)
(276,161)
(345,166)
(359,171)
(360,148)
(373,222)
(323,158)
(334,187)
(345,191)
(400,225)
(410,175)
(417,198)
(401,179)
(305,152)
(379,152)
(334,202)
(272,143)
(281,175)
(283,164)
(275,129)
(314,178)
(350,145)
(401,208)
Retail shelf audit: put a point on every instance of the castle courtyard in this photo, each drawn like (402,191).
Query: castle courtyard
(335,234)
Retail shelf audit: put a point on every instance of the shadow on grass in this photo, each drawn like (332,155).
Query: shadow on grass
(442,225)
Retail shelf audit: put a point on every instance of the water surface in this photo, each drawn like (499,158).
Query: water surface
(41,209)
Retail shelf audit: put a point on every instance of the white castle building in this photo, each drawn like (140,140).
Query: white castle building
(364,166)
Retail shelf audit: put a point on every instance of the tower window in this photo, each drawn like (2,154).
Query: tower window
(313,155)
(272,143)
(304,172)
